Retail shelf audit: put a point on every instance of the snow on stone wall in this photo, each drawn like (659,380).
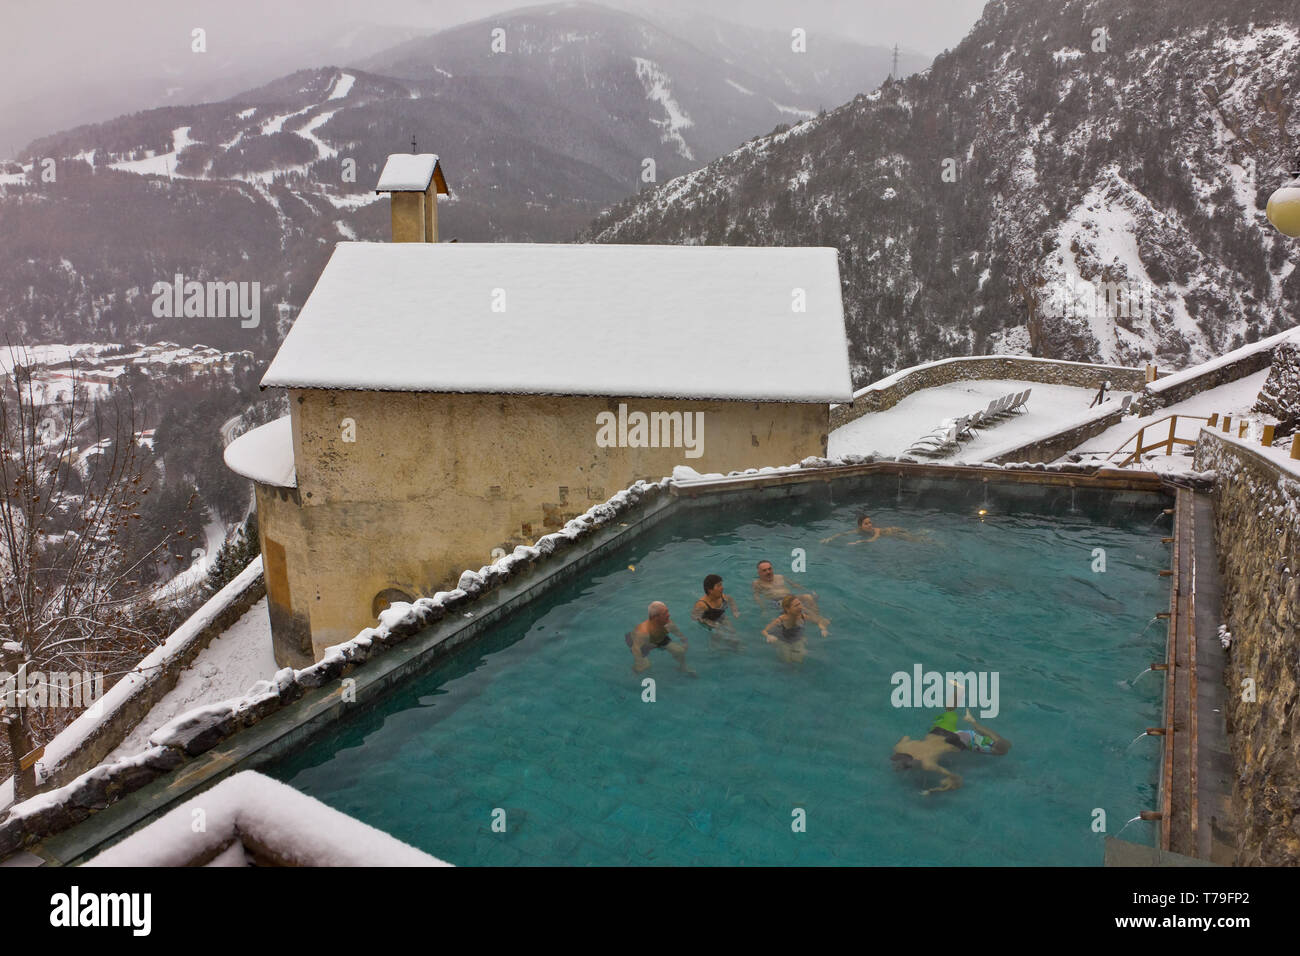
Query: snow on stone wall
(1257,530)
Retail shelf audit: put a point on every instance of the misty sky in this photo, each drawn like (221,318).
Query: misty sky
(60,55)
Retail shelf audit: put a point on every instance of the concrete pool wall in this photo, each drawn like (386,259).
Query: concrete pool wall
(199,749)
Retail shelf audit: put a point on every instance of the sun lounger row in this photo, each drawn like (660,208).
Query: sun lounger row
(947,436)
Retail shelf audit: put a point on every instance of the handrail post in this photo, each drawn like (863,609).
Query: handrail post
(1140,449)
(1173,425)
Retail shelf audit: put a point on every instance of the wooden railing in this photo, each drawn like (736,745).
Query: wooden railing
(1167,442)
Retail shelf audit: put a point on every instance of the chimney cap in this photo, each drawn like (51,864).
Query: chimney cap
(411,173)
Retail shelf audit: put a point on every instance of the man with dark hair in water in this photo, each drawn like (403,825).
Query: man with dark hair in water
(942,740)
(868,532)
(654,634)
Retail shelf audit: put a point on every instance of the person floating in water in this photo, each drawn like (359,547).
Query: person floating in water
(786,630)
(711,612)
(770,589)
(867,532)
(653,634)
(943,739)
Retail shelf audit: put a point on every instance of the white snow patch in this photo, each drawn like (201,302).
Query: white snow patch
(342,86)
(655,83)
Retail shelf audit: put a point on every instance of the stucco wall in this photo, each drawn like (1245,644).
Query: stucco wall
(433,483)
(876,398)
(1257,527)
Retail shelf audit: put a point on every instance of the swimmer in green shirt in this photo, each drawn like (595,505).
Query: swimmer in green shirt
(943,739)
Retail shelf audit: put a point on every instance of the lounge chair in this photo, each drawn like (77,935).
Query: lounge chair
(936,443)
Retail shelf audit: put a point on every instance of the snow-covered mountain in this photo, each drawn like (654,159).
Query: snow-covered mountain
(1061,150)
(542,117)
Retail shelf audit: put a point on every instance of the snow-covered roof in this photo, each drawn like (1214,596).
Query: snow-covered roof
(703,322)
(410,172)
(265,454)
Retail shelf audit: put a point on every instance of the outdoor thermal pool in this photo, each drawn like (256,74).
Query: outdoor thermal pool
(545,719)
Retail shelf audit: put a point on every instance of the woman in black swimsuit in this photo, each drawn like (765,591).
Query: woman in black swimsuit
(711,612)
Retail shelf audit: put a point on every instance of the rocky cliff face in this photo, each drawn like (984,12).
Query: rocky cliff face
(1280,396)
(1081,180)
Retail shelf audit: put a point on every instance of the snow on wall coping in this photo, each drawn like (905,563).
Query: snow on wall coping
(265,454)
(1178,378)
(76,733)
(407,172)
(1278,457)
(670,322)
(250,807)
(895,378)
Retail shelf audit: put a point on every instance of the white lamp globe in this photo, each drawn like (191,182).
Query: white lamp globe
(1284,209)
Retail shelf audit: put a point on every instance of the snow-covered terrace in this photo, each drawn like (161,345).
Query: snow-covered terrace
(891,431)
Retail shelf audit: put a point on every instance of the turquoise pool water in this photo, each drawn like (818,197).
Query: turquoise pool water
(545,718)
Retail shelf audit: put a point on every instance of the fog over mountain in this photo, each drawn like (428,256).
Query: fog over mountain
(67,62)
(972,203)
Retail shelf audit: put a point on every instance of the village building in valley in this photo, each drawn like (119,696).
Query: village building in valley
(448,399)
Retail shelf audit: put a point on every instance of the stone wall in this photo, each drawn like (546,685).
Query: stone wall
(895,388)
(1053,446)
(1257,530)
(1163,395)
(1280,396)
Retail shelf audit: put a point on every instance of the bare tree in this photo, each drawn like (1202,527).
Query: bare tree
(71,552)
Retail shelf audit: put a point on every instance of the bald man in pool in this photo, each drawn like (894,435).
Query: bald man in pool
(942,740)
(770,589)
(654,634)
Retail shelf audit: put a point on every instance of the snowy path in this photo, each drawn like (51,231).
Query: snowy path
(225,668)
